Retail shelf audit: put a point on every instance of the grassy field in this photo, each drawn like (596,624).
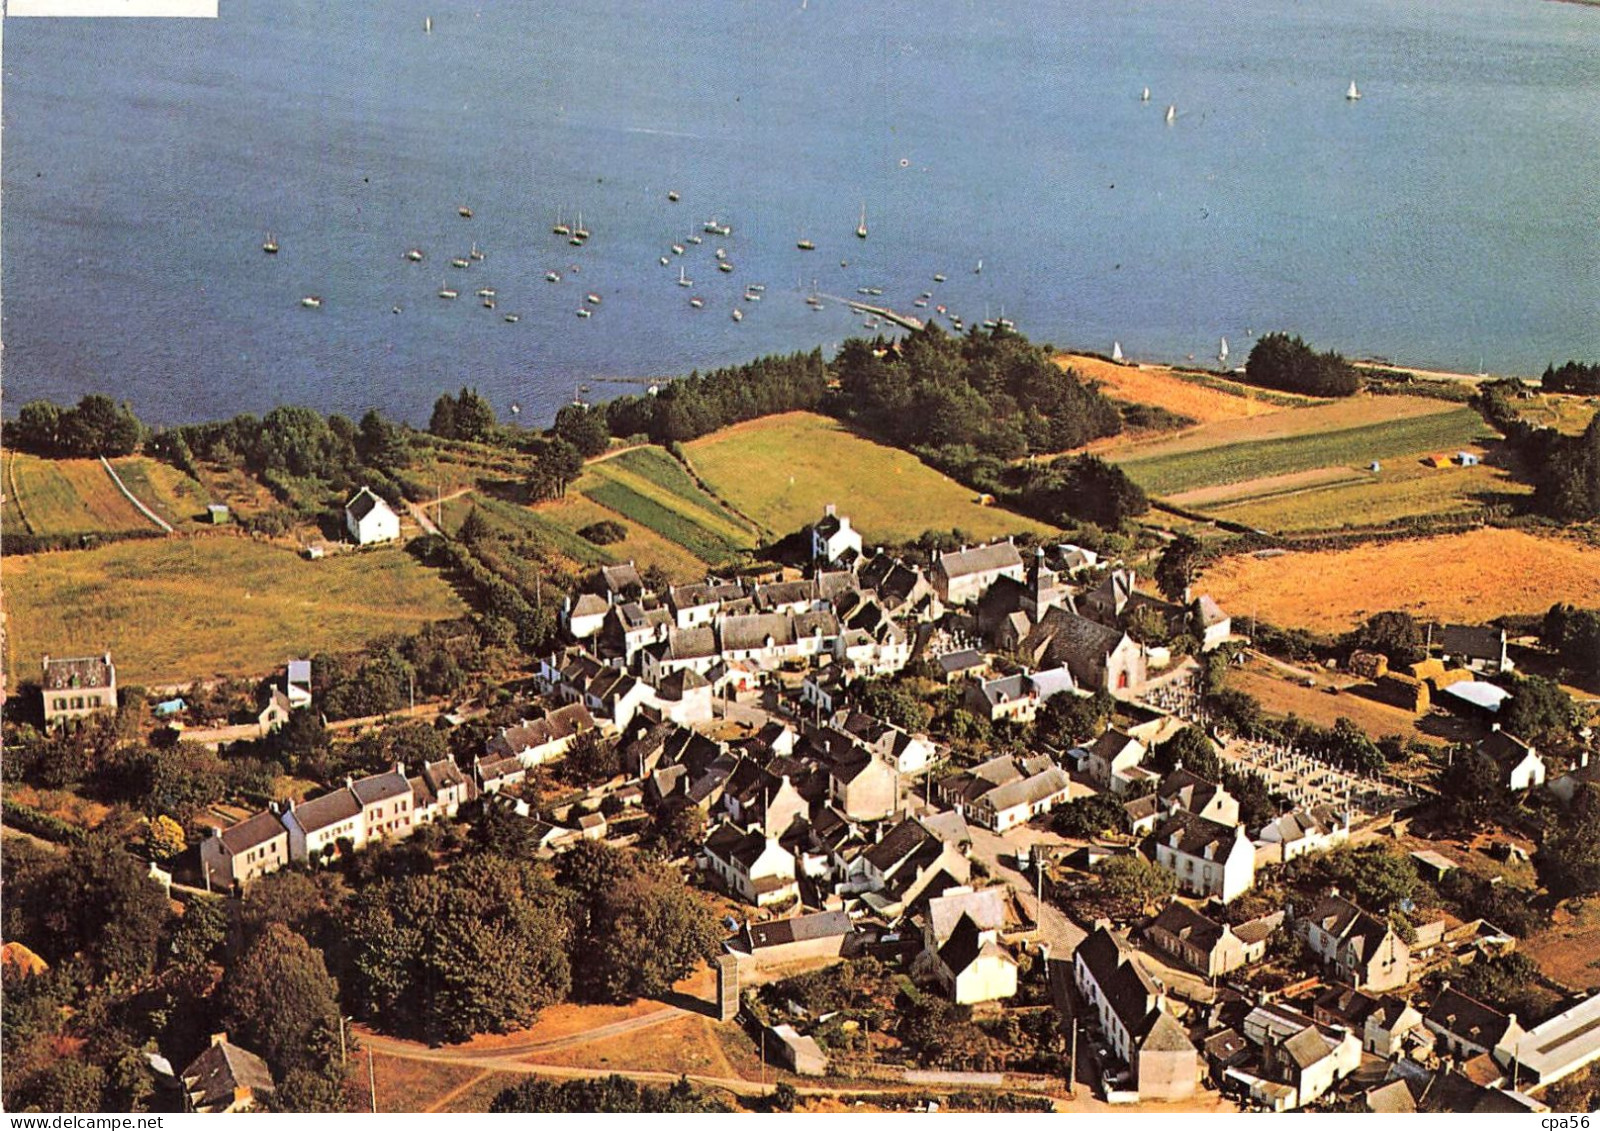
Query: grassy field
(1459,577)
(1561,411)
(1169,472)
(164,489)
(70,496)
(649,488)
(174,610)
(1404,488)
(782,470)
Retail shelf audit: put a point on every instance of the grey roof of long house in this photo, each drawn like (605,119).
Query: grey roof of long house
(1195,834)
(691,643)
(253,831)
(329,809)
(799,928)
(953,662)
(1179,919)
(1476,642)
(212,1077)
(1468,1018)
(1028,791)
(1127,988)
(748,633)
(979,559)
(986,908)
(380,787)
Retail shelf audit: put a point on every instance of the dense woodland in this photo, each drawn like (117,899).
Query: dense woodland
(1565,469)
(1572,377)
(1278,361)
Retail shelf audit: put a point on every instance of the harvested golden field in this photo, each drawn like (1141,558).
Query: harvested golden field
(685,1045)
(1281,695)
(1160,386)
(1467,577)
(68,496)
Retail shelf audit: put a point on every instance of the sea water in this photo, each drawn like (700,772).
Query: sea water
(1449,218)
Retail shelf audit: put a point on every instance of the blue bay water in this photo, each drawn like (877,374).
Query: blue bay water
(1449,218)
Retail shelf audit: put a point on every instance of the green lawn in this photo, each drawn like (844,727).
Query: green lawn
(171,610)
(783,470)
(164,489)
(1355,447)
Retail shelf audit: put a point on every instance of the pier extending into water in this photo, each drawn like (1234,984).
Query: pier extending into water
(904,321)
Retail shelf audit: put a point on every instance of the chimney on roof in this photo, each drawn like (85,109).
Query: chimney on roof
(828,510)
(218,1039)
(349,783)
(1494,726)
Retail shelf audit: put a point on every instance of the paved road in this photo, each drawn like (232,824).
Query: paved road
(999,855)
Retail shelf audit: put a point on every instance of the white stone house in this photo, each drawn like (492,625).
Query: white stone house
(962,575)
(832,537)
(750,865)
(369,519)
(1206,858)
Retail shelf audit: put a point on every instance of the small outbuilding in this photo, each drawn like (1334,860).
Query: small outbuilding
(218,513)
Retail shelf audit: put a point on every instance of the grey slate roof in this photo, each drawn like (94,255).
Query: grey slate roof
(253,831)
(211,1078)
(800,928)
(80,672)
(979,559)
(329,809)
(363,503)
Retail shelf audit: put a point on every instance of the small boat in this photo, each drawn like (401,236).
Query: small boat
(665,261)
(713,227)
(512,317)
(488,304)
(458,262)
(725,266)
(271,246)
(806,245)
(697,303)
(672,196)
(738,315)
(312,301)
(464,212)
(552,276)
(695,239)
(1145,95)
(485,292)
(560,227)
(1116,352)
(583,388)
(415,255)
(475,253)
(1172,113)
(939,309)
(1222,352)
(684,280)
(446,292)
(1352,95)
(920,302)
(722,253)
(579,232)
(758,288)
(677,249)
(926,294)
(516,409)
(938,278)
(575,240)
(427,25)
(592,298)
(874,290)
(863,290)
(861,228)
(395,310)
(583,312)
(978,270)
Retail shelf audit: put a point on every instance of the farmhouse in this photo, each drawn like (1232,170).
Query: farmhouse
(818,935)
(1210,947)
(369,519)
(832,537)
(77,688)
(1358,949)
(1017,698)
(225,1078)
(1516,763)
(751,866)
(961,576)
(1131,1008)
(1206,857)
(1315,828)
(1477,647)
(256,846)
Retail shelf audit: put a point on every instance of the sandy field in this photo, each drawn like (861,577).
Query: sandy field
(1160,386)
(1460,577)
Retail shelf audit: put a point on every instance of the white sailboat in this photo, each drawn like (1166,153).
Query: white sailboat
(1222,352)
(684,280)
(1145,95)
(1172,113)
(1116,352)
(861,228)
(427,25)
(1352,95)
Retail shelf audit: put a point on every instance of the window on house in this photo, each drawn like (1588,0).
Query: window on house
(77,702)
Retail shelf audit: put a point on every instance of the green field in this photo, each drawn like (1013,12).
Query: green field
(1352,447)
(782,471)
(1401,490)
(68,496)
(171,610)
(649,488)
(164,489)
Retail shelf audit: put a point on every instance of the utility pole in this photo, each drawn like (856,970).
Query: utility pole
(372,1082)
(1072,1060)
(343,1055)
